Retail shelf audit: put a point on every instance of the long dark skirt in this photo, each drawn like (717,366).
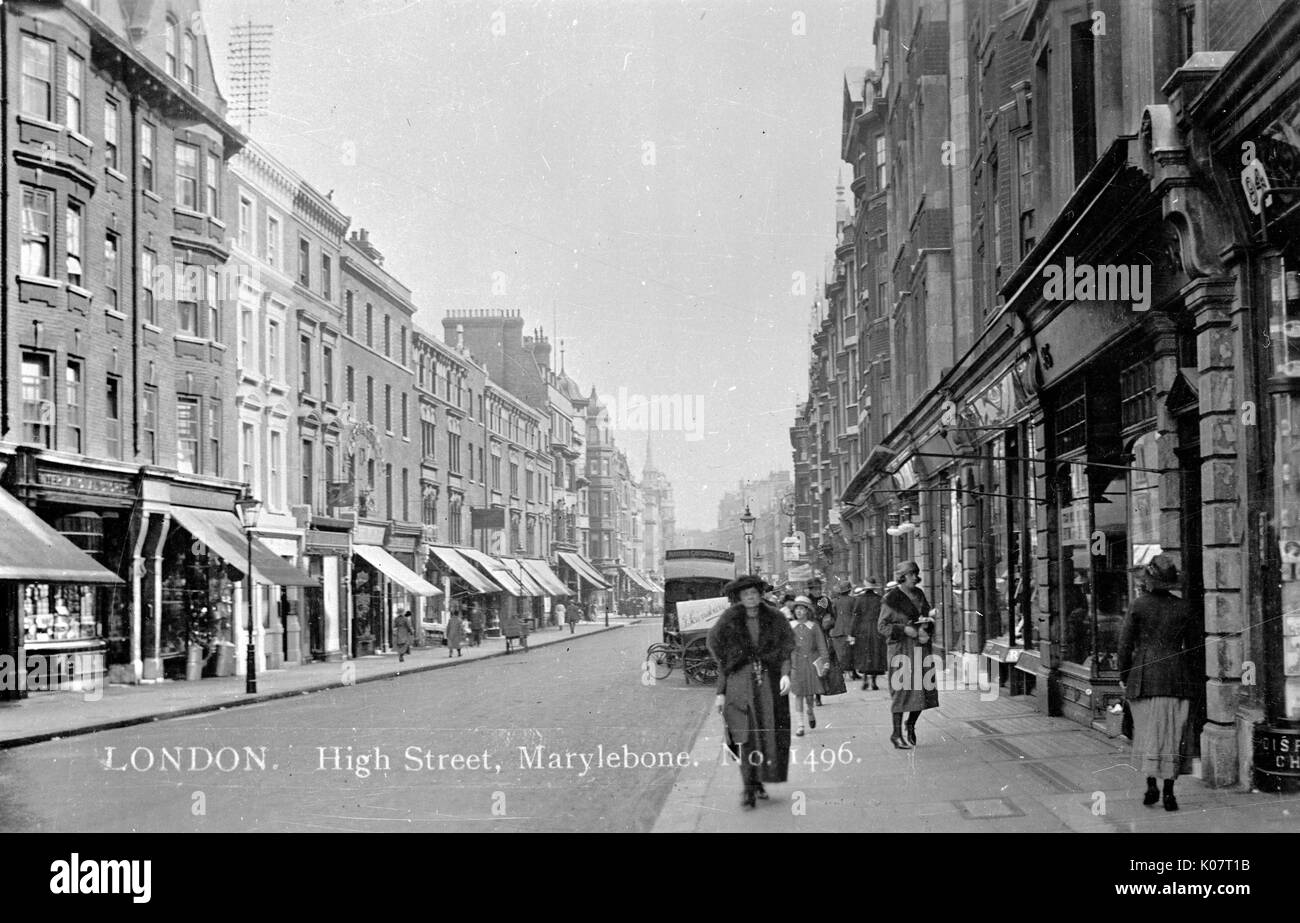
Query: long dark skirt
(759,718)
(833,681)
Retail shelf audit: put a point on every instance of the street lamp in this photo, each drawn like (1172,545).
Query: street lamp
(747,523)
(249,506)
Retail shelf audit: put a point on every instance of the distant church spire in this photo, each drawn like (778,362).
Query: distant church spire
(649,456)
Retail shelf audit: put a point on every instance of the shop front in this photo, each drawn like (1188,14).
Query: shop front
(327,548)
(588,584)
(468,589)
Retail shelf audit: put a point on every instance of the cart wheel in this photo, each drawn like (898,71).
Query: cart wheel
(660,657)
(698,663)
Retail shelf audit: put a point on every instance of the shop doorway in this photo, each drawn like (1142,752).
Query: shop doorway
(1189,465)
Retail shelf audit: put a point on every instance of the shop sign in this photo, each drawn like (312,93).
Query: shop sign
(84,483)
(1277,751)
(1254,182)
(997,403)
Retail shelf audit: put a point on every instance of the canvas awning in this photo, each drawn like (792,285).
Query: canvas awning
(639,579)
(531,586)
(584,569)
(222,532)
(500,573)
(395,570)
(32,550)
(543,574)
(464,570)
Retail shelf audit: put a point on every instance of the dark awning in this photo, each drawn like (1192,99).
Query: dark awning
(543,574)
(31,550)
(500,573)
(464,570)
(396,571)
(222,532)
(584,569)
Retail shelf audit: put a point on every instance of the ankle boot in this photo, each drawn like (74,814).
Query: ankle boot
(1171,803)
(1153,793)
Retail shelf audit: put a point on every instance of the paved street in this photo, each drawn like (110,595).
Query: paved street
(561,698)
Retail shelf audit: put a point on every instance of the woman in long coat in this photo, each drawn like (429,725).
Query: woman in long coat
(455,634)
(809,651)
(752,643)
(906,625)
(870,653)
(476,624)
(403,629)
(1156,649)
(833,680)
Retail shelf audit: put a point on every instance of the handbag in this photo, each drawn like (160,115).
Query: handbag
(821,665)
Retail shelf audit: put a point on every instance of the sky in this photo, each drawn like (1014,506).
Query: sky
(650,182)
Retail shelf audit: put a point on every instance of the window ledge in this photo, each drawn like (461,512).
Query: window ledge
(33,120)
(215,345)
(78,290)
(217,221)
(116,174)
(40,280)
(118,314)
(185,210)
(154,327)
(188,338)
(73,133)
(150,194)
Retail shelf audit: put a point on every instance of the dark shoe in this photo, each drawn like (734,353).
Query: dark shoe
(799,732)
(898,742)
(873,683)
(911,735)
(1171,803)
(747,800)
(812,722)
(762,794)
(818,699)
(1151,797)
(865,686)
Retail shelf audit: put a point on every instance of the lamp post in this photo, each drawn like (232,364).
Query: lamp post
(747,523)
(249,506)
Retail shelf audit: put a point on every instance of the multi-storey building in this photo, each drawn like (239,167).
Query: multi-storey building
(660,519)
(1093,267)
(116,414)
(381,449)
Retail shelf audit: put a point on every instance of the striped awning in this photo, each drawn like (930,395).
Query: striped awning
(463,569)
(543,574)
(499,572)
(584,569)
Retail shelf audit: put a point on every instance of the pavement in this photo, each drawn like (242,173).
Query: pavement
(55,714)
(984,763)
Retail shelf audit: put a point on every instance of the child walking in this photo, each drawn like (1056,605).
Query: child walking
(807,663)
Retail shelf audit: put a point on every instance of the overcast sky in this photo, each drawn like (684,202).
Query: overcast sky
(643,180)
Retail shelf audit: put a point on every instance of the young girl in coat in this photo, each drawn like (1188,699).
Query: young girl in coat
(810,652)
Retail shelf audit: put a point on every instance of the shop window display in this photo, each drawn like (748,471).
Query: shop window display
(1284,333)
(59,612)
(197,606)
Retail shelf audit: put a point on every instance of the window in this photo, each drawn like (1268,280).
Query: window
(304,364)
(471,464)
(275,474)
(149,278)
(881,170)
(347,313)
(211,192)
(454,517)
(213,460)
(1025,158)
(188,57)
(453,452)
(370,324)
(428,438)
(273,240)
(212,295)
(326,277)
(74,399)
(482,470)
(406,496)
(1082,99)
(1186,31)
(169,46)
(113,417)
(112,270)
(246,339)
(370,399)
(514,479)
(112,136)
(496,472)
(248,453)
(273,349)
(74,240)
(38,78)
(327,373)
(350,383)
(187,299)
(305,463)
(38,206)
(149,424)
(74,92)
(388,491)
(388,408)
(187,434)
(146,155)
(246,223)
(388,336)
(38,400)
(406,430)
(304,261)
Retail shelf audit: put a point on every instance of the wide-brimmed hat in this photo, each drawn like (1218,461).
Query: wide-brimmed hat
(870,583)
(844,588)
(744,582)
(803,601)
(1161,573)
(906,567)
(891,584)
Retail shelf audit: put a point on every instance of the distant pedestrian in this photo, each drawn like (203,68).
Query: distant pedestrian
(573,615)
(510,626)
(787,602)
(1157,645)
(870,653)
(476,625)
(751,643)
(832,681)
(455,635)
(807,662)
(905,622)
(560,611)
(844,628)
(524,628)
(403,629)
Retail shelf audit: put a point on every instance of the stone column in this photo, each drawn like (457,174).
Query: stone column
(1219,332)
(972,636)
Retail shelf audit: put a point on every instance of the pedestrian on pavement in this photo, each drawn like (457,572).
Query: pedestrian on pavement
(510,626)
(870,655)
(786,602)
(844,628)
(905,622)
(833,679)
(560,610)
(1157,643)
(573,615)
(524,628)
(403,629)
(476,624)
(751,643)
(455,635)
(807,662)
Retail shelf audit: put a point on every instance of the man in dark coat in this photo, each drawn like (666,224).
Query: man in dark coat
(752,643)
(870,650)
(844,630)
